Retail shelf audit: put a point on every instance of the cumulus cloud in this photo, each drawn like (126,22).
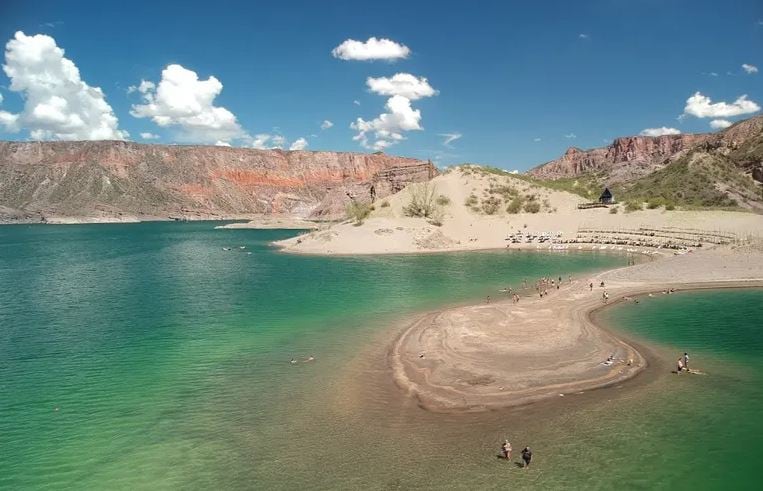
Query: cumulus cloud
(266,141)
(388,128)
(373,49)
(184,101)
(58,104)
(326,124)
(404,84)
(660,131)
(701,106)
(450,138)
(298,144)
(220,143)
(719,124)
(149,136)
(750,69)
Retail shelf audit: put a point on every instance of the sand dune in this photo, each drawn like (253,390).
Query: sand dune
(388,230)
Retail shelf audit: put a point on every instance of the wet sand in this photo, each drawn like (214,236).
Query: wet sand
(486,356)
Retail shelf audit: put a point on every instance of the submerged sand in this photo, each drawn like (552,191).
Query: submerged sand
(503,354)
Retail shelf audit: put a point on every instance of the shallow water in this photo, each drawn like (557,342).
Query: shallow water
(144,355)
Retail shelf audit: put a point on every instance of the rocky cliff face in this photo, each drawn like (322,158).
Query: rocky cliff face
(632,157)
(626,158)
(124,180)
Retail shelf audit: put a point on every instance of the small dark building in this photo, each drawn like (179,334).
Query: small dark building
(606,197)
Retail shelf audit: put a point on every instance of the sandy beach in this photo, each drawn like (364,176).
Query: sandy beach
(485,356)
(501,354)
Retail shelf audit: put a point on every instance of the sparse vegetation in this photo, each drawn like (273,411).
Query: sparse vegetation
(515,206)
(532,206)
(613,210)
(423,203)
(472,201)
(633,205)
(358,212)
(443,200)
(490,205)
(384,204)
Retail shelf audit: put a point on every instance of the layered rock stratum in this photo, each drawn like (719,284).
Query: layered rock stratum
(117,180)
(631,157)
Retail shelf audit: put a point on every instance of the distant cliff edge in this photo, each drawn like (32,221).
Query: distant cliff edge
(117,180)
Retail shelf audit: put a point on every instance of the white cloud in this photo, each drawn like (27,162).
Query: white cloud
(149,136)
(299,144)
(719,124)
(220,143)
(58,104)
(356,102)
(570,136)
(265,141)
(701,106)
(660,131)
(450,138)
(404,84)
(388,127)
(373,49)
(583,36)
(182,100)
(537,139)
(750,69)
(326,124)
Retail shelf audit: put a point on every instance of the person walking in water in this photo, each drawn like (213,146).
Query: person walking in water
(527,456)
(506,450)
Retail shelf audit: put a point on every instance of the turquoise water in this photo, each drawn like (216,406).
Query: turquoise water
(146,356)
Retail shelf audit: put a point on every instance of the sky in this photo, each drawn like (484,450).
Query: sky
(505,83)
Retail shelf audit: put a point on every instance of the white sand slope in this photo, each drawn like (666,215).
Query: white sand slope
(388,230)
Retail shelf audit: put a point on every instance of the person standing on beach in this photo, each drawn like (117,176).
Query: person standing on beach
(680,365)
(527,456)
(590,285)
(686,361)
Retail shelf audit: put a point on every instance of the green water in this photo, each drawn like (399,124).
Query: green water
(167,359)
(146,356)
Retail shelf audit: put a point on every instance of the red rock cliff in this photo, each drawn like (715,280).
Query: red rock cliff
(113,178)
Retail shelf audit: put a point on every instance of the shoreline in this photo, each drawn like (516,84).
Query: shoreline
(444,385)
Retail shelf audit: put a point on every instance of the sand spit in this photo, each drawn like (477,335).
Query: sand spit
(272,222)
(502,354)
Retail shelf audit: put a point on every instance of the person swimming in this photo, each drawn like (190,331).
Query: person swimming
(293,361)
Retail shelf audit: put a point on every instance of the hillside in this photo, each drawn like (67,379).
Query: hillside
(472,207)
(723,169)
(116,180)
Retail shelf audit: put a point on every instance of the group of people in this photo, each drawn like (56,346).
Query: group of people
(527,454)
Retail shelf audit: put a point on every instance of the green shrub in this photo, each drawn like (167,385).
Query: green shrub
(358,211)
(515,206)
(613,210)
(670,207)
(443,200)
(633,205)
(423,202)
(532,206)
(490,205)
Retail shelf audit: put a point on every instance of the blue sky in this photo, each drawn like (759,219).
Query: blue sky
(515,79)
